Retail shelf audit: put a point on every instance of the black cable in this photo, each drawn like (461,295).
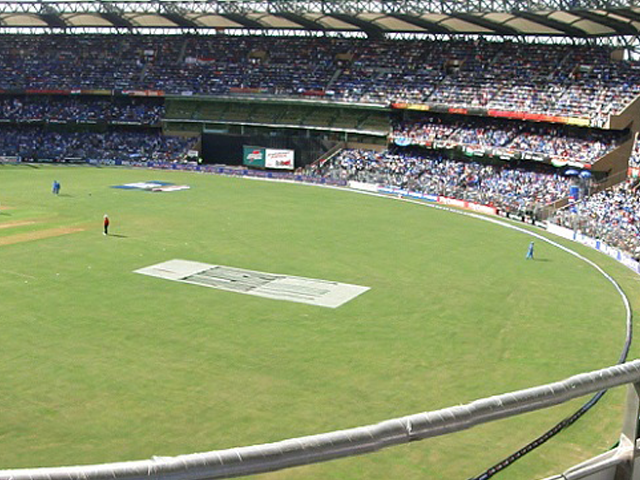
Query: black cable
(563,424)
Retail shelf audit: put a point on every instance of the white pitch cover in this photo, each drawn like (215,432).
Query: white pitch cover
(322,293)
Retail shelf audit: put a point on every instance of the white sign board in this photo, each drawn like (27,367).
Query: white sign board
(278,159)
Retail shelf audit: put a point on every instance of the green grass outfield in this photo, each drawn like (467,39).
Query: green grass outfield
(99,364)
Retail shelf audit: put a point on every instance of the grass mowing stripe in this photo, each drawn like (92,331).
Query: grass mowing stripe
(16,224)
(38,235)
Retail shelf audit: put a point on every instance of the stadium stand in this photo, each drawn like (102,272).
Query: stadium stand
(572,80)
(612,216)
(515,190)
(551,140)
(42,144)
(62,108)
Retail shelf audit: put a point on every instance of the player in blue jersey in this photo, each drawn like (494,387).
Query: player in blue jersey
(530,252)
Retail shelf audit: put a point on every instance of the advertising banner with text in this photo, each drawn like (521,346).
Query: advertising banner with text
(282,159)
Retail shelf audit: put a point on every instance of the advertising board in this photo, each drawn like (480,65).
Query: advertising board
(281,159)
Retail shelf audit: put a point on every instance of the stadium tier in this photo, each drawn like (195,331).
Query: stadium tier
(611,216)
(515,190)
(557,143)
(95,109)
(526,191)
(42,144)
(568,80)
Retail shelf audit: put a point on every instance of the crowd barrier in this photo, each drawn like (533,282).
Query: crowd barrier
(429,197)
(225,170)
(615,253)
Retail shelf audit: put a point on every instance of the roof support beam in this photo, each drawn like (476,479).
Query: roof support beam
(180,20)
(627,13)
(244,21)
(484,23)
(51,16)
(566,28)
(416,7)
(373,31)
(300,20)
(117,20)
(53,20)
(616,17)
(430,27)
(622,28)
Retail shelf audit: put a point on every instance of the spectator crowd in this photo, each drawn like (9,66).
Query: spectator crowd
(567,80)
(582,81)
(514,190)
(85,109)
(634,160)
(550,140)
(37,142)
(612,216)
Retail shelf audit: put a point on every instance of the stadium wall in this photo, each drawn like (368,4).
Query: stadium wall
(378,147)
(616,163)
(628,118)
(226,148)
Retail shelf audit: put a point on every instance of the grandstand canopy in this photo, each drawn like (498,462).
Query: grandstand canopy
(373,18)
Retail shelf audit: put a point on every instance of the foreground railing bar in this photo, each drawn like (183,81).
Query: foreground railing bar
(241,461)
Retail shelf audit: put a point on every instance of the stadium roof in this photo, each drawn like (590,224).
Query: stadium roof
(373,18)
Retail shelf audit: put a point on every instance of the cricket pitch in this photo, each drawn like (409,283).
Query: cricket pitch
(322,293)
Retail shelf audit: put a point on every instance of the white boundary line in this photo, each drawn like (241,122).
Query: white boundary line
(496,221)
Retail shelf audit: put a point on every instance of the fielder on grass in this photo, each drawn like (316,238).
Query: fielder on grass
(530,252)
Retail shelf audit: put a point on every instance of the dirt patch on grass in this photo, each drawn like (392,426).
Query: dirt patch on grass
(38,235)
(17,224)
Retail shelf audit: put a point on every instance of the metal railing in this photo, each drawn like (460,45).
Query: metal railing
(241,461)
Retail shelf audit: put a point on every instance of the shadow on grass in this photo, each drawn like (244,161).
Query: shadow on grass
(116,235)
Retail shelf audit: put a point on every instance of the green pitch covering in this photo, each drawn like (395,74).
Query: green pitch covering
(99,364)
